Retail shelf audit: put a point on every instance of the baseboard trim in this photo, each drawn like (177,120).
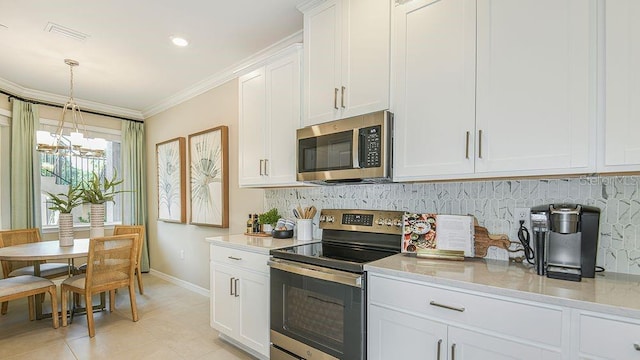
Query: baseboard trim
(184,284)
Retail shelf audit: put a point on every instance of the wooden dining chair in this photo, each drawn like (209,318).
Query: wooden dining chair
(28,286)
(134,229)
(111,263)
(17,268)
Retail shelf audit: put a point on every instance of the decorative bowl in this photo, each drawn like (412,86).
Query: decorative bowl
(282,234)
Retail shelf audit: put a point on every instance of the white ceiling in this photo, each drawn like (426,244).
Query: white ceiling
(128,60)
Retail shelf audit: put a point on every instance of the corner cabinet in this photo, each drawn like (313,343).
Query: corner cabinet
(240,298)
(622,87)
(483,90)
(269,114)
(346,58)
(410,320)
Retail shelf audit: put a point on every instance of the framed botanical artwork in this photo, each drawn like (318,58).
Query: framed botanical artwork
(209,167)
(172,183)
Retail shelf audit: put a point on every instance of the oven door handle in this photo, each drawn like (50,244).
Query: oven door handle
(318,272)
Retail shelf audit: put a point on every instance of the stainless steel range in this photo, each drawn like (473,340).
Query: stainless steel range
(318,291)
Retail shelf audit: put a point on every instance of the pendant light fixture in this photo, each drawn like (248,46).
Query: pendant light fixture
(77,143)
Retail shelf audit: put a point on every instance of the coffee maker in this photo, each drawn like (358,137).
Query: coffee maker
(565,239)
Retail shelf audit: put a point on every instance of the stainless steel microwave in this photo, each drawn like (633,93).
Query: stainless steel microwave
(356,149)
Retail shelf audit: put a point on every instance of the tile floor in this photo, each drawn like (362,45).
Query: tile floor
(173,324)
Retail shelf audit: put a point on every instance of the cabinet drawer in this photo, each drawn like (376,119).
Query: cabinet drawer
(608,338)
(511,318)
(244,259)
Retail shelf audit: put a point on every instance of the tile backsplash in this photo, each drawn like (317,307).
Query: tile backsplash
(493,204)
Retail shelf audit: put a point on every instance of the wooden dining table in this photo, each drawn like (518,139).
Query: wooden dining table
(41,251)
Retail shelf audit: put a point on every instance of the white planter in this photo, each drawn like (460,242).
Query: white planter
(96,219)
(267,228)
(65,229)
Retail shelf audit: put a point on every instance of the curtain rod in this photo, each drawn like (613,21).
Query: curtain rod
(12,96)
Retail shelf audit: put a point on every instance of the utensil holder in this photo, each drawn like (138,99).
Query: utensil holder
(304,229)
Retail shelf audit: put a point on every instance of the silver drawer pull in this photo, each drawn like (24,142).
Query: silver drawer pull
(637,347)
(234,258)
(461,309)
(439,344)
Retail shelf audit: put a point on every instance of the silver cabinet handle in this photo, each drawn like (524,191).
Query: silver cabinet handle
(261,164)
(433,303)
(479,144)
(453,352)
(266,165)
(342,97)
(466,150)
(234,258)
(335,98)
(231,286)
(439,344)
(636,346)
(236,286)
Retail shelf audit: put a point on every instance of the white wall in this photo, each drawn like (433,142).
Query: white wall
(216,107)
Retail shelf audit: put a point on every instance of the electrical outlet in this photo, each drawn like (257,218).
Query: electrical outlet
(181,254)
(522,214)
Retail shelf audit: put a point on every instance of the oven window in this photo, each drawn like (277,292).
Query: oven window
(326,152)
(325,315)
(313,314)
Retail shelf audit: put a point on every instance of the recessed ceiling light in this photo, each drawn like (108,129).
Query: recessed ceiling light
(178,41)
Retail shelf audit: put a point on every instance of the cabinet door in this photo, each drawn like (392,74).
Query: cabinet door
(224,313)
(535,86)
(253,297)
(365,53)
(396,335)
(622,89)
(465,344)
(434,90)
(251,127)
(603,338)
(283,118)
(322,29)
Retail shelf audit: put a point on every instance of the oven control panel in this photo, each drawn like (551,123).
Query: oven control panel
(373,221)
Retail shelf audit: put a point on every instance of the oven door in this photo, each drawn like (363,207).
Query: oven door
(318,307)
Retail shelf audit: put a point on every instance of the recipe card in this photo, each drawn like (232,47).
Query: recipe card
(434,231)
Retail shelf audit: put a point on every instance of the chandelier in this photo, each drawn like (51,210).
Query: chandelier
(76,143)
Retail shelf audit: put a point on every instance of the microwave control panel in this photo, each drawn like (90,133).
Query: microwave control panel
(370,146)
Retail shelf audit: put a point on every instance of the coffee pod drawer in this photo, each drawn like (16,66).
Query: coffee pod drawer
(608,337)
(485,312)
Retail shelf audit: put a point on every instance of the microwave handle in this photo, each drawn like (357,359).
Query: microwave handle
(358,146)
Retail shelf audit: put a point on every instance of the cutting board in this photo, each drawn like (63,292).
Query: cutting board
(483,240)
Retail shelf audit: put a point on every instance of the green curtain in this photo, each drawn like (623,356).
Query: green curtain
(25,173)
(134,166)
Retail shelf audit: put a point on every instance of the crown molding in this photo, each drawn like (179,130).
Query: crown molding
(223,76)
(48,97)
(308,5)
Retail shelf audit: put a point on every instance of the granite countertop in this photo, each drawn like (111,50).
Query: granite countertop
(612,293)
(257,244)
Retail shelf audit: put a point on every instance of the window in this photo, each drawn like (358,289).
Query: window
(57,172)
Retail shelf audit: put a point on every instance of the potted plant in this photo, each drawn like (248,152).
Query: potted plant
(64,204)
(97,193)
(268,220)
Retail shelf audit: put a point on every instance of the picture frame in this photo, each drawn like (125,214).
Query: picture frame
(209,177)
(171,181)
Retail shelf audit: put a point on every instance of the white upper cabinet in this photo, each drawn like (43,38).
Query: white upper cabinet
(493,88)
(535,97)
(434,88)
(346,58)
(622,87)
(269,114)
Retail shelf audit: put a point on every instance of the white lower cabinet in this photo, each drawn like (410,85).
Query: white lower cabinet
(409,320)
(605,337)
(240,298)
